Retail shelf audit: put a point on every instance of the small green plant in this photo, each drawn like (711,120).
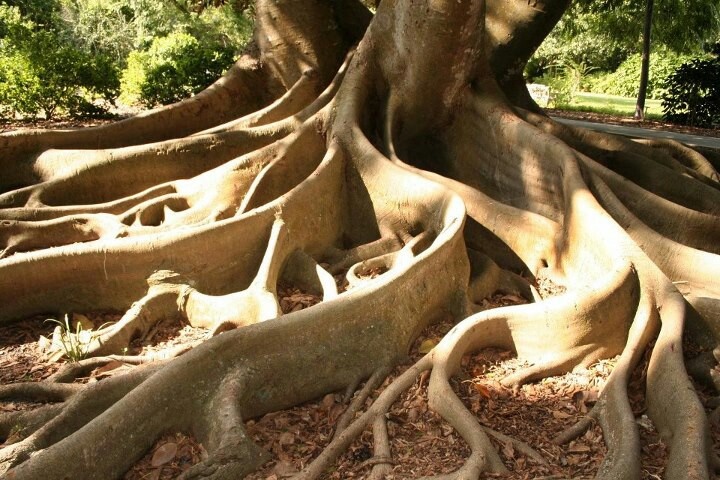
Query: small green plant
(565,79)
(560,91)
(75,342)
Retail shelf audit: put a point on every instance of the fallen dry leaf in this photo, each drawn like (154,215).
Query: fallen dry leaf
(164,454)
(284,469)
(508,450)
(427,345)
(482,390)
(286,438)
(578,448)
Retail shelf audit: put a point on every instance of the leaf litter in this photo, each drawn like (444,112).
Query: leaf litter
(421,442)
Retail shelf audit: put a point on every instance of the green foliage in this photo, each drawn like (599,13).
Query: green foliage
(41,73)
(102,27)
(64,56)
(693,93)
(75,343)
(575,40)
(625,81)
(565,80)
(174,67)
(38,12)
(168,50)
(682,26)
(19,88)
(603,33)
(228,23)
(226,26)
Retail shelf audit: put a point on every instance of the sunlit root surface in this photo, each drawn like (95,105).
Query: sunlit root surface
(353,184)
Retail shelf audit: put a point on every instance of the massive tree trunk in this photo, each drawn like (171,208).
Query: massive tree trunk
(405,143)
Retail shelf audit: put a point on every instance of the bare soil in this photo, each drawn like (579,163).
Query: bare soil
(62,123)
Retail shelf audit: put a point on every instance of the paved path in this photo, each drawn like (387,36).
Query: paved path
(692,140)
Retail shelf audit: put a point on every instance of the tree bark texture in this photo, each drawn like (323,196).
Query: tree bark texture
(404,142)
(645,66)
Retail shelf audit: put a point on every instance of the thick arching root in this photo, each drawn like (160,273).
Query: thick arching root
(214,404)
(398,189)
(514,327)
(202,111)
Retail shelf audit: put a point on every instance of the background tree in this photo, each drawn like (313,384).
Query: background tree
(602,35)
(403,143)
(693,93)
(645,69)
(64,55)
(41,71)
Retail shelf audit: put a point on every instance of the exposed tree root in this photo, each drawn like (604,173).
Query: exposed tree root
(359,401)
(520,445)
(413,178)
(206,109)
(39,392)
(74,370)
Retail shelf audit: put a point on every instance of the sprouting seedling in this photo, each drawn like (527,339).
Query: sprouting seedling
(75,343)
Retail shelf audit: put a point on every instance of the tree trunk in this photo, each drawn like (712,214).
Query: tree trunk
(416,153)
(645,66)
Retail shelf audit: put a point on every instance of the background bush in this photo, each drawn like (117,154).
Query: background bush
(66,56)
(174,67)
(692,96)
(42,73)
(625,81)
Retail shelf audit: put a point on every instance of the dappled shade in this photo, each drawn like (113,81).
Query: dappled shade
(406,158)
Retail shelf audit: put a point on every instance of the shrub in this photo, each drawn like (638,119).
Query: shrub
(19,87)
(625,81)
(693,94)
(41,73)
(565,79)
(174,67)
(99,26)
(561,92)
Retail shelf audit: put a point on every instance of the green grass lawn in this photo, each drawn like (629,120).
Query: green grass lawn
(601,103)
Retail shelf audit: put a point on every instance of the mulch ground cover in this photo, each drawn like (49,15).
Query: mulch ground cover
(422,443)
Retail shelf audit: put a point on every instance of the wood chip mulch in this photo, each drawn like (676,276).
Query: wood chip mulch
(167,334)
(422,443)
(292,298)
(20,354)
